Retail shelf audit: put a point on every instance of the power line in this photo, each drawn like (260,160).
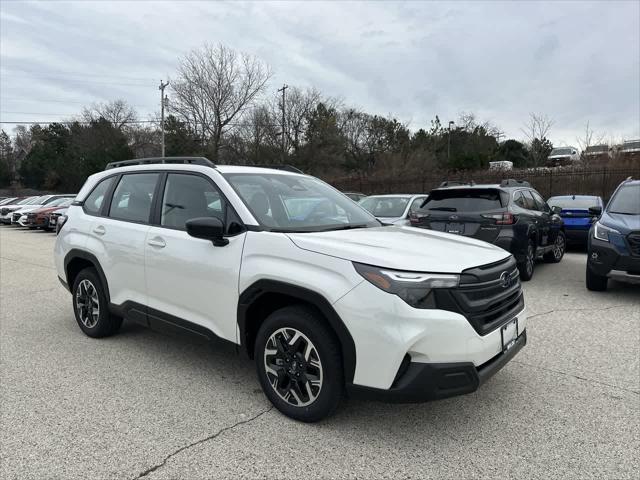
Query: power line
(77,74)
(75,80)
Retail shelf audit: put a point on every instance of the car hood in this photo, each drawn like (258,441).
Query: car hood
(29,208)
(623,223)
(402,248)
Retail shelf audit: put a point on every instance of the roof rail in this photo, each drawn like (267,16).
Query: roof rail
(512,182)
(287,168)
(453,183)
(148,161)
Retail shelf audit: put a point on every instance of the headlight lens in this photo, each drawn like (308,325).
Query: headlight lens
(413,287)
(602,233)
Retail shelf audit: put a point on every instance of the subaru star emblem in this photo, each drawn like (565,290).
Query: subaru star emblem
(505,279)
(453,217)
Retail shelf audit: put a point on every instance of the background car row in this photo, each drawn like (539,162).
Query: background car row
(514,216)
(41,211)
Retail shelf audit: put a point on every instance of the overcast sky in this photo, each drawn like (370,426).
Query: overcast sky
(577,61)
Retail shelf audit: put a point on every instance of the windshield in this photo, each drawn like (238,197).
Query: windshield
(560,151)
(293,203)
(464,200)
(626,200)
(575,202)
(37,200)
(385,206)
(62,201)
(7,201)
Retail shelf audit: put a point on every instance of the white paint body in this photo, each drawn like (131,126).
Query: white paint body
(170,271)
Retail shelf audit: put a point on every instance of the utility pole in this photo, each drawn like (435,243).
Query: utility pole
(449,143)
(163,99)
(283,89)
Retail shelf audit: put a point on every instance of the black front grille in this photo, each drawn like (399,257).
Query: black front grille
(16,216)
(487,296)
(634,243)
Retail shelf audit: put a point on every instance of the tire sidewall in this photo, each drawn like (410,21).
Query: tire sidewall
(309,322)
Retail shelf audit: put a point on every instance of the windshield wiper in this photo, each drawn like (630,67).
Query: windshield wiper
(625,213)
(445,209)
(345,227)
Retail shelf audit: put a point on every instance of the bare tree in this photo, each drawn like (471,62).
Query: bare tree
(538,126)
(586,141)
(215,86)
(118,112)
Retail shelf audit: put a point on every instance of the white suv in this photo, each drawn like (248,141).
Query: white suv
(307,282)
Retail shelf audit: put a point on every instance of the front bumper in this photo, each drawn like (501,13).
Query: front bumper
(423,382)
(610,260)
(385,330)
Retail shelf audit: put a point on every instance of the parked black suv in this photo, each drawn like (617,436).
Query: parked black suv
(511,215)
(614,240)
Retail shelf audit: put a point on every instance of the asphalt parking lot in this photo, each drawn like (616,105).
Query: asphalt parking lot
(145,405)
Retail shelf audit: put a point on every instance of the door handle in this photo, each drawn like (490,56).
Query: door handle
(99,230)
(157,242)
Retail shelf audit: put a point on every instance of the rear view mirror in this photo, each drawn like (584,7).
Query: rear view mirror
(595,211)
(557,210)
(207,228)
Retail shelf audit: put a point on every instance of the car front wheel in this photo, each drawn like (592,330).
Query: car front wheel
(299,364)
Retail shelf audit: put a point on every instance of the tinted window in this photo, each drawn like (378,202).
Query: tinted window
(464,200)
(189,196)
(132,197)
(540,203)
(416,204)
(93,203)
(518,199)
(626,200)
(386,206)
(529,202)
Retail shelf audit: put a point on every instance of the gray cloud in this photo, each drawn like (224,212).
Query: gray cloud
(574,61)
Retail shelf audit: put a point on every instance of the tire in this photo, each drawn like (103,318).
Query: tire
(596,283)
(527,267)
(559,249)
(88,290)
(303,379)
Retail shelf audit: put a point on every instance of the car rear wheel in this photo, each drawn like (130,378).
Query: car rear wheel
(90,306)
(527,266)
(299,364)
(558,250)
(596,283)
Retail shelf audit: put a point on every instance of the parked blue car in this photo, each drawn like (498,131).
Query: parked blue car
(576,216)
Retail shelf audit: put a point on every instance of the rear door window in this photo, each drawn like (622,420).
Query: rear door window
(518,199)
(540,203)
(133,196)
(465,200)
(530,203)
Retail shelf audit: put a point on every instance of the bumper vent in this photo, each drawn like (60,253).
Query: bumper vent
(634,243)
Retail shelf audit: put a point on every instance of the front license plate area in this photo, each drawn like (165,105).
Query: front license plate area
(457,228)
(509,334)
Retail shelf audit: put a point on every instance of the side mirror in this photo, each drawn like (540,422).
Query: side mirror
(557,210)
(207,228)
(595,211)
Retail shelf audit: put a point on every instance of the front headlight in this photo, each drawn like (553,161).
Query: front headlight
(413,287)
(602,233)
